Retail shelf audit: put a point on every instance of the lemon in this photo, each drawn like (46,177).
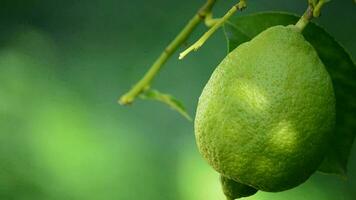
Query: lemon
(265,117)
(234,190)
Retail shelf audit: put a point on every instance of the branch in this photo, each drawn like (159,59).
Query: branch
(239,6)
(210,21)
(146,80)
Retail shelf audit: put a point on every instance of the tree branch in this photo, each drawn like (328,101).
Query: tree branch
(146,80)
(239,6)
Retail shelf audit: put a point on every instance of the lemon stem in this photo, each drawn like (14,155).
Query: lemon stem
(216,25)
(146,80)
(305,19)
(312,11)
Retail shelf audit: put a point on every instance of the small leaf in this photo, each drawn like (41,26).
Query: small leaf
(338,63)
(168,100)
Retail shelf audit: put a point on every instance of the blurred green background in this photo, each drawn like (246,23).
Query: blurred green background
(63,64)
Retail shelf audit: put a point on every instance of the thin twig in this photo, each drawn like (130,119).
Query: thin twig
(239,6)
(146,80)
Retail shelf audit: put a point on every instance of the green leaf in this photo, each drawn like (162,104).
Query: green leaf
(166,99)
(338,63)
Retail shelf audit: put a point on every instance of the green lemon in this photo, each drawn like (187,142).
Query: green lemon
(265,117)
(234,190)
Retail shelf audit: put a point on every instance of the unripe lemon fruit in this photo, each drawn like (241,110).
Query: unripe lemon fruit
(266,116)
(234,190)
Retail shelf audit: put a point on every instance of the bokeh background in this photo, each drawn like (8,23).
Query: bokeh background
(63,64)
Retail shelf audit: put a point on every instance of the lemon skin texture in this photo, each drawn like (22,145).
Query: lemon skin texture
(266,116)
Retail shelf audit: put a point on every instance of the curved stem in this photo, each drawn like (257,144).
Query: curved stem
(305,19)
(145,82)
(210,21)
(312,11)
(319,5)
(241,5)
